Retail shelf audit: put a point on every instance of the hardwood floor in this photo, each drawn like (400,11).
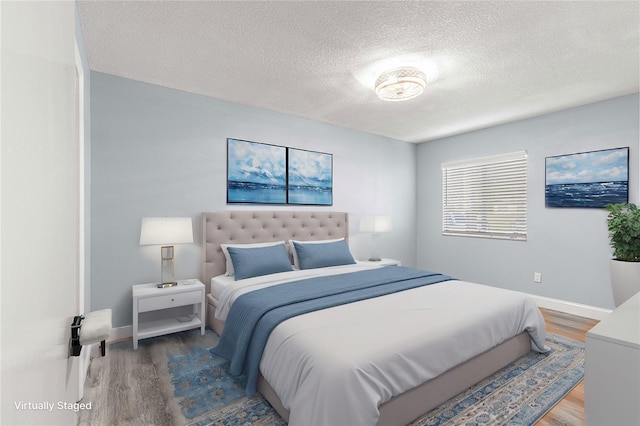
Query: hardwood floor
(569,411)
(125,385)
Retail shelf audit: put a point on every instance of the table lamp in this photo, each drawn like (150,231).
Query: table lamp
(166,231)
(375,225)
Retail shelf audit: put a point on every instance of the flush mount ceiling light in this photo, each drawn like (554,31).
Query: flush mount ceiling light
(400,84)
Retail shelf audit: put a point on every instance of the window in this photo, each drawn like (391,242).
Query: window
(486,197)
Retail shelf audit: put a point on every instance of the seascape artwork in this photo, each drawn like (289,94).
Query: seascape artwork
(589,179)
(310,177)
(256,173)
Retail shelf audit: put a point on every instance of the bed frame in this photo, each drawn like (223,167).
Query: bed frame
(242,227)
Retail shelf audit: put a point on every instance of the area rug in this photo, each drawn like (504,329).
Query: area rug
(519,394)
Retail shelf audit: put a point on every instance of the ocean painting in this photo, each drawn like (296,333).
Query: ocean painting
(589,179)
(256,173)
(310,177)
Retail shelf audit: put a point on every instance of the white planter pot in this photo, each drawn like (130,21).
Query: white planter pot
(625,280)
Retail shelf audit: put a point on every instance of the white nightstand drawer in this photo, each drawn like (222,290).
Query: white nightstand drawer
(153,317)
(169,301)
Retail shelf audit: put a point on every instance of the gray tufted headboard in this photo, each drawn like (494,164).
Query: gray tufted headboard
(244,227)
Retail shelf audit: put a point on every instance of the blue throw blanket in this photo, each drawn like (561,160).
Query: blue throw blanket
(254,315)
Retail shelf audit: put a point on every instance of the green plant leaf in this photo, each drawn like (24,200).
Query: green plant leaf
(623,224)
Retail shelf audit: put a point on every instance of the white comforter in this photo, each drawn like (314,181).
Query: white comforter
(336,366)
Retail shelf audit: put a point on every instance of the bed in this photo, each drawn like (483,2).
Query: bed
(293,368)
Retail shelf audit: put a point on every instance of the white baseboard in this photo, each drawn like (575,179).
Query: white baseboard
(572,308)
(121,333)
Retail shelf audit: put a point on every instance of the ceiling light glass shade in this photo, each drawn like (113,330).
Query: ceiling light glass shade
(400,84)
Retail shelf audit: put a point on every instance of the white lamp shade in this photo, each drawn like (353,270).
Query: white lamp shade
(166,230)
(375,224)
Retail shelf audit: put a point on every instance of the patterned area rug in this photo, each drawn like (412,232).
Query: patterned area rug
(519,394)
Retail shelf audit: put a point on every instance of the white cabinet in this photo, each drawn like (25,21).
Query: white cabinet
(159,311)
(612,368)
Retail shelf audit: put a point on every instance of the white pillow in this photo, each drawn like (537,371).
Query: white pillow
(225,250)
(296,263)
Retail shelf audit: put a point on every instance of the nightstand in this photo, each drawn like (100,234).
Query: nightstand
(383,262)
(159,311)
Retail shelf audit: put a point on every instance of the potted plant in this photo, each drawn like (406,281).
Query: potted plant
(623,223)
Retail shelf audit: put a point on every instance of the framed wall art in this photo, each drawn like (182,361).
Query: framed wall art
(310,177)
(587,179)
(256,173)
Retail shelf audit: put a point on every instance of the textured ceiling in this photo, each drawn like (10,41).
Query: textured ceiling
(487,62)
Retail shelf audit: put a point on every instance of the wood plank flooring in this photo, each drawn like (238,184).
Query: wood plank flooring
(126,388)
(569,411)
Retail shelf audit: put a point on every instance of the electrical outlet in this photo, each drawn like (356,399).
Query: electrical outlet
(537,277)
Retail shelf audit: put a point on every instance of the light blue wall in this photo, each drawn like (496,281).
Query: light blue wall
(570,247)
(162,152)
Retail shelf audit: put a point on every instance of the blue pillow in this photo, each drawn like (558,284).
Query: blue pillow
(253,262)
(321,255)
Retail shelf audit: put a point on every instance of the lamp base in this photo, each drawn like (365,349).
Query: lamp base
(166,267)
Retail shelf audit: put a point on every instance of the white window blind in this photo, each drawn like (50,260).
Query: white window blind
(486,197)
